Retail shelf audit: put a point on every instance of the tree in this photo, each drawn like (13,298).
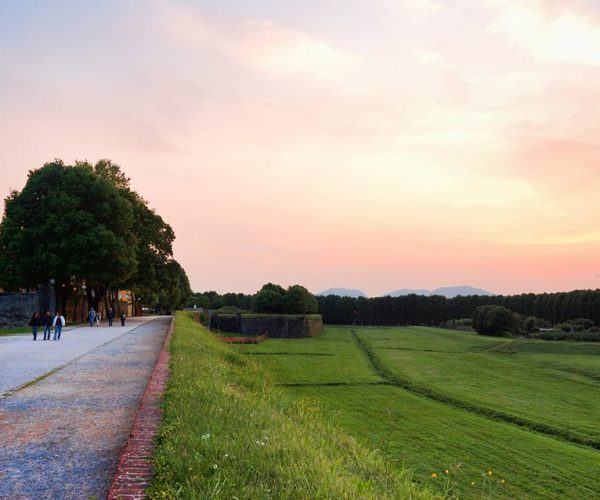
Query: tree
(269,299)
(57,228)
(298,300)
(495,320)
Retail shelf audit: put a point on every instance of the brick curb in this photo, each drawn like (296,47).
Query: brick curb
(136,467)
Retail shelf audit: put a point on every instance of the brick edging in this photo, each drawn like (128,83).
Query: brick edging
(136,467)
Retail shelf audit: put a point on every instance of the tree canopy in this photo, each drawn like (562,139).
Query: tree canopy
(83,224)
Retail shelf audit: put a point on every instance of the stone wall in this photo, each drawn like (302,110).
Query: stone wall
(16,309)
(276,326)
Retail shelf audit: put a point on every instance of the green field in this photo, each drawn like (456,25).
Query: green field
(437,400)
(229,433)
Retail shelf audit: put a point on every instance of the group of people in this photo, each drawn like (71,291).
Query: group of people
(56,322)
(48,322)
(94,317)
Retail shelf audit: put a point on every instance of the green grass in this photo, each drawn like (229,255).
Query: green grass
(229,433)
(493,376)
(17,331)
(452,398)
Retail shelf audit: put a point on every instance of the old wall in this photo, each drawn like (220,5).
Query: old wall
(16,309)
(276,326)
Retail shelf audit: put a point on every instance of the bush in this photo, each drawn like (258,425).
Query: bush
(496,321)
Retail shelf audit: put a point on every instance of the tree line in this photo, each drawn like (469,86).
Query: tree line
(413,309)
(554,308)
(83,230)
(270,299)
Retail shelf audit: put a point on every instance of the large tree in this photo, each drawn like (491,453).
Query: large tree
(67,224)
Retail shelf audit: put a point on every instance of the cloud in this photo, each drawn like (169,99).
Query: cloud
(549,34)
(260,45)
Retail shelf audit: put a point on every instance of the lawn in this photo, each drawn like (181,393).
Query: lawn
(550,384)
(229,433)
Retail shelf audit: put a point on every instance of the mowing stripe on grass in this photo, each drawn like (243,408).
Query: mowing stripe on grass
(379,368)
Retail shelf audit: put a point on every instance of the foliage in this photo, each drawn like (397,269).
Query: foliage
(229,433)
(413,309)
(273,298)
(83,224)
(57,228)
(497,321)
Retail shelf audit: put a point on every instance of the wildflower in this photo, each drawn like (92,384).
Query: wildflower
(226,455)
(215,466)
(472,483)
(489,472)
(433,475)
(446,471)
(206,436)
(503,481)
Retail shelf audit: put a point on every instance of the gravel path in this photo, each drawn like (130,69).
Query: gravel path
(23,360)
(61,436)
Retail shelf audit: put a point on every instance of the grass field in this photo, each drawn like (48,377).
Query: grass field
(229,433)
(436,400)
(17,331)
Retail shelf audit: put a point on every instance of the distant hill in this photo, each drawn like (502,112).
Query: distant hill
(343,292)
(446,291)
(454,291)
(407,291)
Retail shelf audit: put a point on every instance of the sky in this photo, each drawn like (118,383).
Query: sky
(371,144)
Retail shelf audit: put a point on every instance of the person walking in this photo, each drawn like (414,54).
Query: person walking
(111,316)
(34,322)
(92,316)
(58,323)
(98,318)
(123,316)
(47,325)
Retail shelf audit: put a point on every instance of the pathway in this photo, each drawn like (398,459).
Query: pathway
(61,436)
(23,360)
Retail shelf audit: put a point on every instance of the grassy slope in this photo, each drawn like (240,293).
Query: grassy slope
(491,374)
(229,433)
(427,435)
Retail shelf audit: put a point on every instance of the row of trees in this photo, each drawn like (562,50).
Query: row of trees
(553,308)
(536,309)
(82,227)
(271,298)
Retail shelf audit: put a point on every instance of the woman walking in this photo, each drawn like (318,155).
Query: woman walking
(59,322)
(34,322)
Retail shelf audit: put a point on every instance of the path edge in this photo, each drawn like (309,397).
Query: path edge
(136,463)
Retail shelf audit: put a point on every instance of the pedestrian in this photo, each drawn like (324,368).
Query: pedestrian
(34,322)
(123,319)
(111,316)
(58,323)
(98,318)
(47,325)
(92,316)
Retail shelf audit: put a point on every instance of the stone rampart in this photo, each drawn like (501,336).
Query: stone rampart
(16,309)
(275,326)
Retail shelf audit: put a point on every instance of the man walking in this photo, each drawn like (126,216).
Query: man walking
(47,325)
(92,316)
(111,316)
(59,322)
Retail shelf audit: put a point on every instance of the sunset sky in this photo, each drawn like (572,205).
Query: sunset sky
(366,144)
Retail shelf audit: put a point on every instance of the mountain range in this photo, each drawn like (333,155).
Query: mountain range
(446,291)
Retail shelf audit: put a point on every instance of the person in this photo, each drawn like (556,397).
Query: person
(98,318)
(58,323)
(92,316)
(123,319)
(47,325)
(111,316)
(34,322)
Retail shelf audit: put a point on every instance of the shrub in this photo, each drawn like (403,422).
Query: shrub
(497,321)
